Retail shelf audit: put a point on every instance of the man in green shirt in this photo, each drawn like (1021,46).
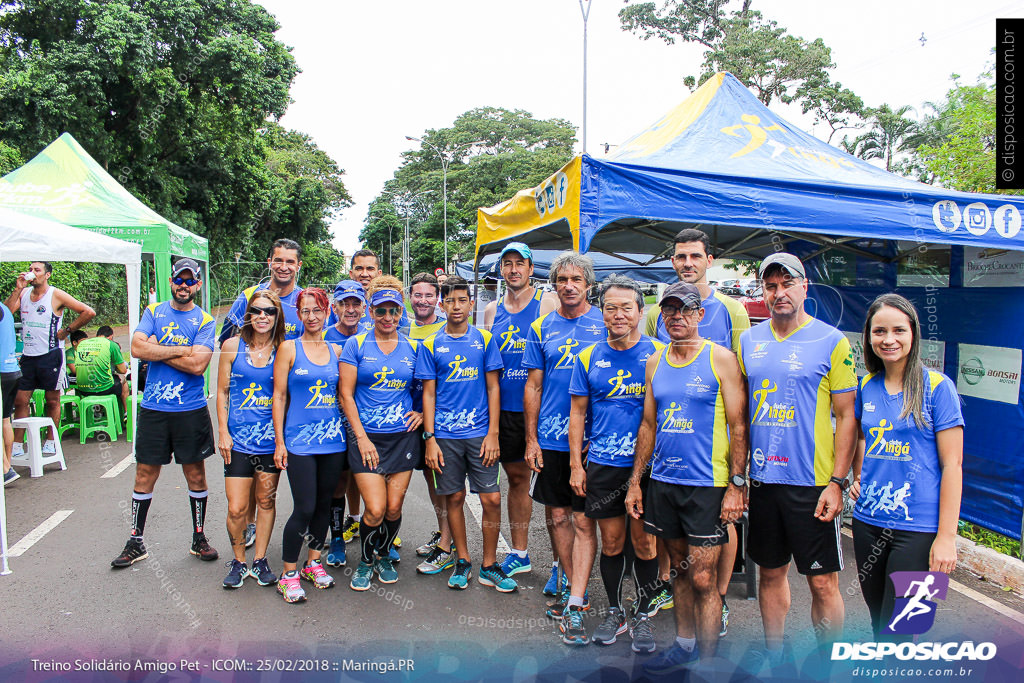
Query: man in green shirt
(96,360)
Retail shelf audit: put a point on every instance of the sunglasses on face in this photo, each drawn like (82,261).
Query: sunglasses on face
(269,311)
(182,281)
(380,312)
(670,311)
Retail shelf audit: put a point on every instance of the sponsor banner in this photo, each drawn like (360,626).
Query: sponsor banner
(989,372)
(933,353)
(924,265)
(993,267)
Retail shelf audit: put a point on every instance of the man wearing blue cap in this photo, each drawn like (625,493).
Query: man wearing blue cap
(509,318)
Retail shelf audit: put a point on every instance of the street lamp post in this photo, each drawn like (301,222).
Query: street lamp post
(406,199)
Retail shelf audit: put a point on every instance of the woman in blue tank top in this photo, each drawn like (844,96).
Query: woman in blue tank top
(309,440)
(245,390)
(907,467)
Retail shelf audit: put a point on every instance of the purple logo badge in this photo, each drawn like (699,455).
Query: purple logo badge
(916,593)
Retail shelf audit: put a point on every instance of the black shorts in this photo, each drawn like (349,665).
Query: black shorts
(683,511)
(783,526)
(8,391)
(188,435)
(44,372)
(551,487)
(396,453)
(246,465)
(511,437)
(607,487)
(114,390)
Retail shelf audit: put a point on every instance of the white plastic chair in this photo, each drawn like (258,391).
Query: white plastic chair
(33,457)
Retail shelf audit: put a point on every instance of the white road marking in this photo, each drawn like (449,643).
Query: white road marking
(120,467)
(981,598)
(36,534)
(473,503)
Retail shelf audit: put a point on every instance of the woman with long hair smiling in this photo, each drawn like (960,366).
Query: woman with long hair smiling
(245,391)
(907,467)
(309,440)
(377,395)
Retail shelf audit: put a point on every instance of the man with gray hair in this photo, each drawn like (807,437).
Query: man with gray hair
(551,347)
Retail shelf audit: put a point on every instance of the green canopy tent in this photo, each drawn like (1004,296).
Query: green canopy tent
(64,184)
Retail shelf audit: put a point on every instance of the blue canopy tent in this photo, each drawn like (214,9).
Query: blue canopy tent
(723,162)
(604,265)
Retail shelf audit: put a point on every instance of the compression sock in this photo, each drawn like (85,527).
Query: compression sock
(140,508)
(645,576)
(390,529)
(613,569)
(337,517)
(198,499)
(368,541)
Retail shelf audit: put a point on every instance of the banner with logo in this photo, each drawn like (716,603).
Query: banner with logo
(933,353)
(990,372)
(993,267)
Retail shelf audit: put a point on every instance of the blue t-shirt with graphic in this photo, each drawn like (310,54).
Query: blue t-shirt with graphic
(900,477)
(551,346)
(293,327)
(168,389)
(460,366)
(615,385)
(510,330)
(384,382)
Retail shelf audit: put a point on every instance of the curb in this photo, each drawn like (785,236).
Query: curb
(992,566)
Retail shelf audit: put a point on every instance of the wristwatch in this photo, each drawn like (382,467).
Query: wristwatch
(738,480)
(427,436)
(843,484)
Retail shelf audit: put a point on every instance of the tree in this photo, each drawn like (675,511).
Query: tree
(492,153)
(891,133)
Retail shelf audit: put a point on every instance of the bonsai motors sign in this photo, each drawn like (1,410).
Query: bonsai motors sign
(989,372)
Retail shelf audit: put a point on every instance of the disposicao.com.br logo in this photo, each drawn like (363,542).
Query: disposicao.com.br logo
(914,614)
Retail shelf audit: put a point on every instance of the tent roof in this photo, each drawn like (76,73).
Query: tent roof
(25,238)
(64,183)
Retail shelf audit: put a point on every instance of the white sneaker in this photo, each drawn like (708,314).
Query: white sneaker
(17,449)
(49,448)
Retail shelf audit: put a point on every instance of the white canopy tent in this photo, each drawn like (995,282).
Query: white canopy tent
(26,238)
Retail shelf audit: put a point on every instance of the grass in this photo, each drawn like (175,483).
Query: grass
(989,539)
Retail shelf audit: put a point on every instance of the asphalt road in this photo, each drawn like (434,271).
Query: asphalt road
(64,603)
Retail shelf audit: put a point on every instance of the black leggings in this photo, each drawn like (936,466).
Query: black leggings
(880,551)
(312,479)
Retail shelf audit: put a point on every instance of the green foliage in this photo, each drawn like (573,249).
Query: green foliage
(989,539)
(891,133)
(492,153)
(101,286)
(322,266)
(10,158)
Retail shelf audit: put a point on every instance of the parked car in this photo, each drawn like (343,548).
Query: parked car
(738,287)
(755,306)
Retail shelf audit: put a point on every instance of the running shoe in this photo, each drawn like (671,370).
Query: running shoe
(236,575)
(49,447)
(351,529)
(613,626)
(662,600)
(558,606)
(573,631)
(250,535)
(386,571)
(393,554)
(336,555)
(437,561)
(260,571)
(10,475)
(672,660)
(289,587)
(362,577)
(556,583)
(496,578)
(134,551)
(202,549)
(725,620)
(314,573)
(642,634)
(460,575)
(428,547)
(397,542)
(513,564)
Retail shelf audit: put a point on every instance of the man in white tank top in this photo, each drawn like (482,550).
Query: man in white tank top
(42,361)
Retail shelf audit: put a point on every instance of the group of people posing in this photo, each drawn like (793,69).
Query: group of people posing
(653,444)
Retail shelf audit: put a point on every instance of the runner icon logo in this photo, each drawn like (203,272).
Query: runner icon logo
(914,611)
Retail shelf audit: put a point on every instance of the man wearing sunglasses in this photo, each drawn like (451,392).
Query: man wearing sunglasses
(284,262)
(176,337)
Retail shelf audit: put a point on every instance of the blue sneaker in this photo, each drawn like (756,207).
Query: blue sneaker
(554,586)
(260,571)
(671,660)
(460,575)
(393,554)
(336,555)
(513,564)
(556,608)
(386,571)
(494,576)
(236,575)
(362,577)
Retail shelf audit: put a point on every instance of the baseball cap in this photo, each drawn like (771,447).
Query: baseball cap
(383,296)
(519,248)
(181,265)
(789,263)
(684,292)
(348,289)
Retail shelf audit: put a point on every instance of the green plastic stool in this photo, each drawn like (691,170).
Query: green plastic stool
(130,427)
(70,415)
(39,403)
(109,425)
